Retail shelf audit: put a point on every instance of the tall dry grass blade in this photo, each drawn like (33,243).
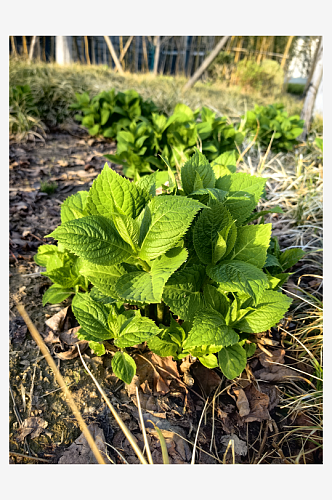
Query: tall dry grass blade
(146,442)
(261,167)
(39,341)
(248,147)
(230,444)
(199,425)
(119,420)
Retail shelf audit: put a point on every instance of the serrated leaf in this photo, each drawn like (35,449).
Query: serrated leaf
(97,296)
(92,316)
(197,173)
(147,287)
(127,228)
(232,361)
(290,257)
(65,276)
(74,206)
(135,331)
(212,224)
(104,278)
(56,294)
(49,254)
(252,243)
(182,292)
(275,210)
(123,366)
(238,276)
(167,220)
(209,328)
(163,346)
(269,310)
(110,190)
(240,205)
(95,239)
(218,194)
(83,335)
(271,261)
(215,299)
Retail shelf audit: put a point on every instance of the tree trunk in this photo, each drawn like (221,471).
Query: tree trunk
(32,47)
(312,66)
(156,54)
(14,51)
(93,53)
(206,63)
(310,98)
(63,50)
(113,54)
(288,46)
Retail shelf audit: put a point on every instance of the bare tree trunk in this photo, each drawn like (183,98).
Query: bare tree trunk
(205,64)
(63,50)
(32,47)
(93,50)
(14,51)
(310,98)
(156,55)
(86,44)
(313,66)
(25,47)
(113,54)
(288,45)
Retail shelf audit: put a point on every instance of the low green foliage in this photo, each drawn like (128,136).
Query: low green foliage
(274,119)
(142,133)
(187,271)
(23,112)
(296,88)
(267,77)
(48,187)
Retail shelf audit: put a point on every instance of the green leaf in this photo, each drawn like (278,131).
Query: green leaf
(110,191)
(65,276)
(217,300)
(166,220)
(49,256)
(123,366)
(74,207)
(83,335)
(97,296)
(97,348)
(199,166)
(182,292)
(209,360)
(163,346)
(240,205)
(232,361)
(252,243)
(135,331)
(269,311)
(95,239)
(250,349)
(209,328)
(104,278)
(211,232)
(238,276)
(56,294)
(290,257)
(271,261)
(147,287)
(92,316)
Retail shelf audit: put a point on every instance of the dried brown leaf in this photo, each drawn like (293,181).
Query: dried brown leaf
(242,402)
(208,379)
(56,322)
(32,426)
(72,353)
(80,452)
(258,403)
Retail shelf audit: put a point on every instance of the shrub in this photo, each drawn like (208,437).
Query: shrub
(266,77)
(23,112)
(271,119)
(295,88)
(186,271)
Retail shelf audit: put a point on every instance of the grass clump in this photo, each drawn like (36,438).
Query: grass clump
(48,187)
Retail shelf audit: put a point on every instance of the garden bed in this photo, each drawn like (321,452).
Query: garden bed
(247,410)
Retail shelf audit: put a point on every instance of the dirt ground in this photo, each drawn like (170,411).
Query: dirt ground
(42,425)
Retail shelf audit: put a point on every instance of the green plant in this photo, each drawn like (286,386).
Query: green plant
(267,77)
(48,187)
(186,271)
(109,112)
(23,112)
(175,138)
(273,119)
(295,88)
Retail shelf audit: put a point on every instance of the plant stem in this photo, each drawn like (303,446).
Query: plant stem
(160,312)
(144,265)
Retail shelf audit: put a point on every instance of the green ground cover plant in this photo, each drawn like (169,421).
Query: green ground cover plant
(274,119)
(143,133)
(23,111)
(193,270)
